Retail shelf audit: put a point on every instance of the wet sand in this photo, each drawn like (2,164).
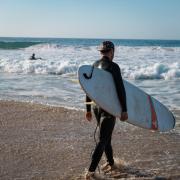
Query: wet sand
(41,142)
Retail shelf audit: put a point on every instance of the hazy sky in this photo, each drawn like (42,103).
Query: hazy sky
(144,19)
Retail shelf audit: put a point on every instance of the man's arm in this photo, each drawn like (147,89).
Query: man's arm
(116,72)
(88,106)
(88,109)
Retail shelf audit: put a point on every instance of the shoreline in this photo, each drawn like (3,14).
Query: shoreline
(47,142)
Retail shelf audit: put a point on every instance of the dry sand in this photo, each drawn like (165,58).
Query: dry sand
(41,142)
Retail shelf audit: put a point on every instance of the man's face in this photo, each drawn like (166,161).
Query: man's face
(109,54)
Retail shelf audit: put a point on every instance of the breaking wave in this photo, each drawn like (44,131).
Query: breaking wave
(157,71)
(136,62)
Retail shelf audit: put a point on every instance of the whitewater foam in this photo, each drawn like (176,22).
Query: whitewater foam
(135,62)
(157,71)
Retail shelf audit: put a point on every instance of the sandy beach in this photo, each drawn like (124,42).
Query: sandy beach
(42,142)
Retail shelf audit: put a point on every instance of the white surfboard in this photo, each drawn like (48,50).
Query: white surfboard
(143,110)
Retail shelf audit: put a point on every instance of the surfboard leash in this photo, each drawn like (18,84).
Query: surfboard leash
(94,135)
(89,76)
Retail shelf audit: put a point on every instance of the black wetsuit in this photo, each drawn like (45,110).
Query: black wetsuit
(104,119)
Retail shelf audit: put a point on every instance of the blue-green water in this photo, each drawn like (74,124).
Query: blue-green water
(16,43)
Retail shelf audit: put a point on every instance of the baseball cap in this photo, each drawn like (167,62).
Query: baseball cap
(106,46)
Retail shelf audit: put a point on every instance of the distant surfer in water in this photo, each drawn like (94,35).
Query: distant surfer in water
(105,120)
(33,57)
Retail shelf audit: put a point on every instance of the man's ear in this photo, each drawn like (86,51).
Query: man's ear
(112,52)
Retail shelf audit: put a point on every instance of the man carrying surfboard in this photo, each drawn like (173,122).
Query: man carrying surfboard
(105,120)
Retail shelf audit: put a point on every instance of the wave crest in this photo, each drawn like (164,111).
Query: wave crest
(44,47)
(157,71)
(37,67)
(16,45)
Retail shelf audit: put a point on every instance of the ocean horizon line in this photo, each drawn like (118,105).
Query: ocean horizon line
(91,38)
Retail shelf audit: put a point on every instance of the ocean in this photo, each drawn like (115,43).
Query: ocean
(152,65)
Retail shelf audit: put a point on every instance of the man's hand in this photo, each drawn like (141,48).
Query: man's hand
(89,116)
(124,116)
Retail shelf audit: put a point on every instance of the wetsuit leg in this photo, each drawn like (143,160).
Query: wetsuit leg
(106,129)
(109,153)
(97,113)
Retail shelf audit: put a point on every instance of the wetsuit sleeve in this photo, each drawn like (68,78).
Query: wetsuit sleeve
(88,106)
(116,72)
